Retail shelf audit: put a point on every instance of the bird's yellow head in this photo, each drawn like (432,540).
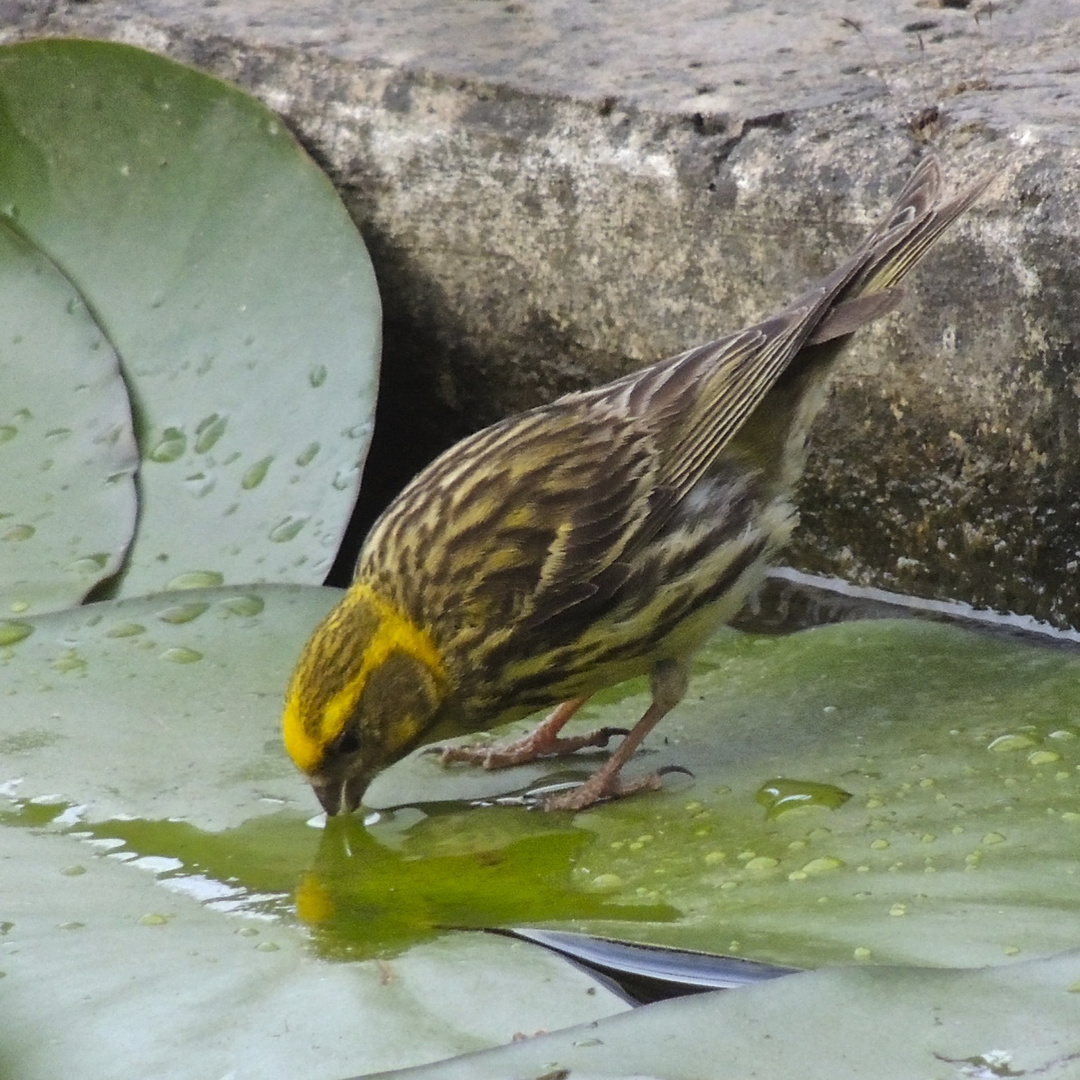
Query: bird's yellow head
(366,687)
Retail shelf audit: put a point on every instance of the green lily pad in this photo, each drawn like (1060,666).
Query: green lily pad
(67,450)
(950,850)
(141,736)
(885,1023)
(227,274)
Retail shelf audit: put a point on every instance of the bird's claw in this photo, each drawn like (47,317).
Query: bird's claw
(665,770)
(603,788)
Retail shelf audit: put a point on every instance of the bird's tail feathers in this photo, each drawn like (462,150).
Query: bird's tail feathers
(867,285)
(908,231)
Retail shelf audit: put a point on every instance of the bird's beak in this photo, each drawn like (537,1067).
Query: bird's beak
(338,792)
(329,791)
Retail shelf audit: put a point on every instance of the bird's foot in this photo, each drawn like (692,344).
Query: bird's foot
(605,786)
(540,743)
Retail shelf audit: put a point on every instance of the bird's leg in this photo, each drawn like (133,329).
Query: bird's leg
(542,741)
(669,680)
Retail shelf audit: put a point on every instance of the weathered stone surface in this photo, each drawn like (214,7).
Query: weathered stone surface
(555,193)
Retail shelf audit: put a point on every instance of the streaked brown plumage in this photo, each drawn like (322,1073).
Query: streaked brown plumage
(603,536)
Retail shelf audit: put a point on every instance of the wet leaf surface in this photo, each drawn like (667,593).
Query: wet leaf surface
(225,271)
(957,847)
(67,447)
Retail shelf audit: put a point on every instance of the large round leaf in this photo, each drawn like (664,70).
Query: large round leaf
(957,846)
(871,1024)
(67,450)
(227,274)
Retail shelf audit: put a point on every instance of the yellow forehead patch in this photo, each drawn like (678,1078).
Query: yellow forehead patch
(316,715)
(303,749)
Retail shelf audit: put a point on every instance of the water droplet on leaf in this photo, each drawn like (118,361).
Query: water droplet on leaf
(823,865)
(1043,757)
(256,474)
(180,654)
(1005,744)
(208,431)
(89,564)
(182,613)
(246,606)
(199,484)
(782,795)
(169,447)
(12,631)
(197,579)
(307,455)
(762,862)
(288,529)
(345,477)
(606,882)
(68,661)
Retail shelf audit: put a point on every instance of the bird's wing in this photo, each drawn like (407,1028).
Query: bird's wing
(521,516)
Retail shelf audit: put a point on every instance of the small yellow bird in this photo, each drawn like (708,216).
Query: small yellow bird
(581,543)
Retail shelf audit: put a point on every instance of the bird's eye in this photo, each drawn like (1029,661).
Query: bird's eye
(348,742)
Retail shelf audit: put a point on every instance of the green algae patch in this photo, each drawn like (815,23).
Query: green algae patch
(361,891)
(373,889)
(104,923)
